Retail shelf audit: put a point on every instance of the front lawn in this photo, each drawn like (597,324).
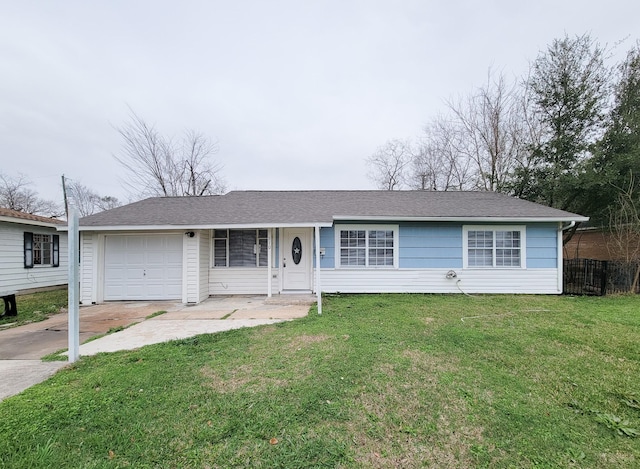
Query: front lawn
(36,307)
(376,381)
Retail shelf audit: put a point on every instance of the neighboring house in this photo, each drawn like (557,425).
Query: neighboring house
(33,254)
(603,244)
(588,243)
(271,242)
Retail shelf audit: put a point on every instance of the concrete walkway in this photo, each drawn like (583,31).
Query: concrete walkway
(22,347)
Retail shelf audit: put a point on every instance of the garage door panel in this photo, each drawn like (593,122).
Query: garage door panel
(156,243)
(174,275)
(174,258)
(155,274)
(135,242)
(156,258)
(143,267)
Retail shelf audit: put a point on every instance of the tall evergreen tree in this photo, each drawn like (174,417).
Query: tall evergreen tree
(617,157)
(567,92)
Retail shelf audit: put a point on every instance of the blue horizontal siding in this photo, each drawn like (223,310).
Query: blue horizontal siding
(542,246)
(439,245)
(327,241)
(430,245)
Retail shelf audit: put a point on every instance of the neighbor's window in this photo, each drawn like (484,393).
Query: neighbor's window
(41,250)
(494,246)
(362,246)
(240,248)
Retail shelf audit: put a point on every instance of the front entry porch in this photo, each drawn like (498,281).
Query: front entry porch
(270,261)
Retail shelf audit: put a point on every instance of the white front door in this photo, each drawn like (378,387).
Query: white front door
(296,259)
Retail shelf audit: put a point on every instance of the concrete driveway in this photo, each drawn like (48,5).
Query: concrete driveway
(22,347)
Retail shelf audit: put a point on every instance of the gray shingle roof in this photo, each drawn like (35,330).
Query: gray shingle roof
(272,208)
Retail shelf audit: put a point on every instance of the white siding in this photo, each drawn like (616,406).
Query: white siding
(238,281)
(191,269)
(203,279)
(88,250)
(544,281)
(13,274)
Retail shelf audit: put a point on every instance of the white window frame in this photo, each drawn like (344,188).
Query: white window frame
(396,248)
(523,245)
(257,249)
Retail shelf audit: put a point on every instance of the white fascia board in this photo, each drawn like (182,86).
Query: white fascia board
(464,219)
(23,221)
(230,226)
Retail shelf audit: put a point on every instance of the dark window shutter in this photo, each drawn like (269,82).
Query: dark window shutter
(56,251)
(28,250)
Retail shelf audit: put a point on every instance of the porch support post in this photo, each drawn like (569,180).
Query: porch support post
(269,264)
(318,289)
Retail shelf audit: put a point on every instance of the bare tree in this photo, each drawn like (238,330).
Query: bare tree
(199,175)
(389,164)
(157,166)
(489,124)
(429,172)
(107,202)
(624,226)
(87,201)
(438,163)
(531,131)
(16,194)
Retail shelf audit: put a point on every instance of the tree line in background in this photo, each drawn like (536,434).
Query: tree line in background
(567,135)
(17,193)
(155,164)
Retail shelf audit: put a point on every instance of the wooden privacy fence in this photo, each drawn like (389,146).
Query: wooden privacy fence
(594,277)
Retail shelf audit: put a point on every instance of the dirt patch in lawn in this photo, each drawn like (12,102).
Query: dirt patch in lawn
(410,422)
(243,377)
(305,340)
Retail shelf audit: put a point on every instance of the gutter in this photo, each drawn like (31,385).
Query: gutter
(463,219)
(218,226)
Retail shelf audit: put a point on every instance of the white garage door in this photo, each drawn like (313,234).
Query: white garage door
(143,267)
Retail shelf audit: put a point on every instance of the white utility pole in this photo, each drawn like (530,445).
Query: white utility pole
(74,286)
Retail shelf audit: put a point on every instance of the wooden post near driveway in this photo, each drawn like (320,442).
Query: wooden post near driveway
(74,286)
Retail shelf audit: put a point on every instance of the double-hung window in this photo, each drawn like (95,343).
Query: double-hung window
(367,246)
(494,246)
(41,250)
(240,248)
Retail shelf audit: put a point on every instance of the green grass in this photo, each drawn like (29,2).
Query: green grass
(36,307)
(376,381)
(157,313)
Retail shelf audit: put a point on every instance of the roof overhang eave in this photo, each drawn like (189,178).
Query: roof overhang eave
(25,221)
(216,226)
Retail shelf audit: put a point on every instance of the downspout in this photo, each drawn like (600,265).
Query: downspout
(561,230)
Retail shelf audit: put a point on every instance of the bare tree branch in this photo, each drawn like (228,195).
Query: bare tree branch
(87,201)
(157,166)
(489,124)
(389,164)
(16,194)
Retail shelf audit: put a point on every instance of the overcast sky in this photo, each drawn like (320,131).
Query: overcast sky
(297,93)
